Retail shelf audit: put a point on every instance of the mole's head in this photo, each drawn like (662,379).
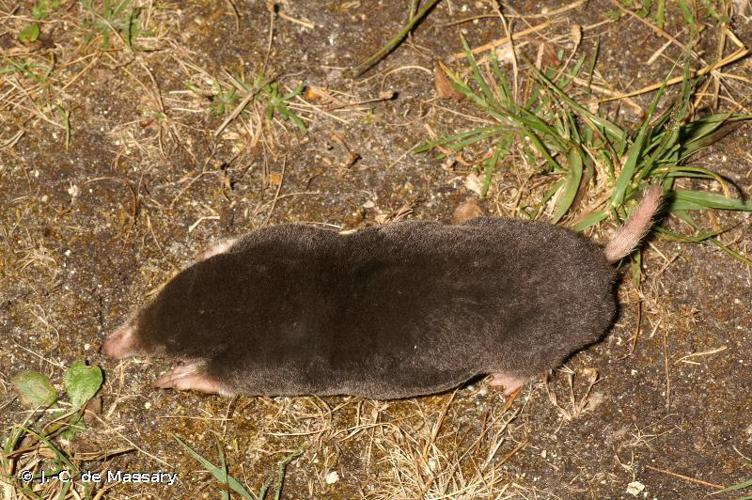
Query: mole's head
(183,318)
(144,334)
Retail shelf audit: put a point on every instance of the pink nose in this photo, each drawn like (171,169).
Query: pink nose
(120,344)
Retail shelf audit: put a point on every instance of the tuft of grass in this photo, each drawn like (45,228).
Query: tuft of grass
(261,97)
(574,145)
(229,483)
(40,11)
(118,18)
(223,100)
(655,11)
(37,449)
(268,94)
(29,68)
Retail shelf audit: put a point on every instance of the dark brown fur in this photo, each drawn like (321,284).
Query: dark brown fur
(406,309)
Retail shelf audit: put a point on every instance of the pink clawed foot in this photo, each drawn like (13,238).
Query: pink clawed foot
(509,382)
(121,343)
(192,376)
(219,248)
(469,209)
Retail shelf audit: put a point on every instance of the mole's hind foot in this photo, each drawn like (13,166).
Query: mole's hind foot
(510,382)
(192,376)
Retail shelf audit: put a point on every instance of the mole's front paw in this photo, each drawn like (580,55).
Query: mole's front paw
(121,343)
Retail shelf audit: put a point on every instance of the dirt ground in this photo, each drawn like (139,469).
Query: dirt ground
(94,218)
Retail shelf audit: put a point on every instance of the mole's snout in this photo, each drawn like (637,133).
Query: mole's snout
(121,343)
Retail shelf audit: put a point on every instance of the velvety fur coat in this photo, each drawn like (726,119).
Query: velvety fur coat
(401,310)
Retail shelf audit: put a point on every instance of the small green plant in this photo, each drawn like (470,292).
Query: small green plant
(261,94)
(655,10)
(120,18)
(36,449)
(268,94)
(28,67)
(223,100)
(40,11)
(574,144)
(230,483)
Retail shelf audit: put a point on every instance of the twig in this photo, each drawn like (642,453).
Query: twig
(684,359)
(501,41)
(235,113)
(391,44)
(687,478)
(276,194)
(657,30)
(704,71)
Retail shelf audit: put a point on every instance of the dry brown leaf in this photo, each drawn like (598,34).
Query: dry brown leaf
(444,87)
(313,94)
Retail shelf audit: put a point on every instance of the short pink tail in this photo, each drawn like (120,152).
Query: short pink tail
(636,227)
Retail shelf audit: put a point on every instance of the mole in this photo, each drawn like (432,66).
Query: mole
(405,309)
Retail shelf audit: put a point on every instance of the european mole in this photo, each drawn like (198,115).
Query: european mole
(406,309)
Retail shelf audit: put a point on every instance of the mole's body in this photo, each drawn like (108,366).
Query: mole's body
(406,309)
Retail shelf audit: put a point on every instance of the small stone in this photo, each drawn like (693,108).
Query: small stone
(635,488)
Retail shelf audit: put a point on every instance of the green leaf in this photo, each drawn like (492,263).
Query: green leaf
(82,382)
(34,389)
(29,34)
(489,165)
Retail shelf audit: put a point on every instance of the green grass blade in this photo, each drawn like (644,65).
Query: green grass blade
(457,141)
(697,238)
(686,199)
(688,171)
(215,471)
(543,150)
(571,185)
(597,122)
(635,152)
(701,133)
(714,240)
(281,469)
(590,220)
(501,81)
(478,77)
(223,478)
(735,487)
(552,191)
(660,15)
(628,170)
(489,166)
